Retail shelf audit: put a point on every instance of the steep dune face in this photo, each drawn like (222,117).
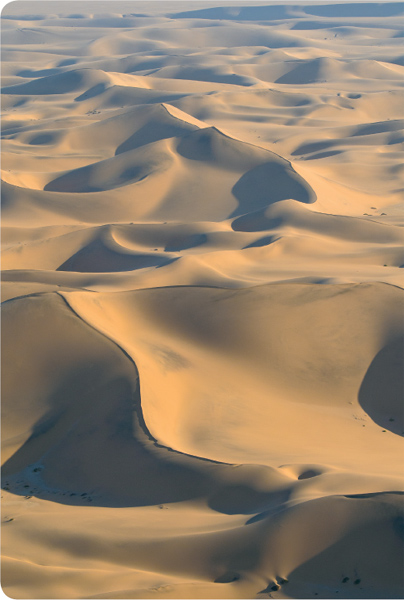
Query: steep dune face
(257,330)
(202,322)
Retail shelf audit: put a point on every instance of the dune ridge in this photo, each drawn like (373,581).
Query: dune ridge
(202,319)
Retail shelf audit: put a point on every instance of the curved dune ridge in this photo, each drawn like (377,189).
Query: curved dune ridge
(202,321)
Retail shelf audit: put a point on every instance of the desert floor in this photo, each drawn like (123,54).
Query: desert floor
(202,300)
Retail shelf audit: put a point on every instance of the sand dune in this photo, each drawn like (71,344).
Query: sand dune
(202,322)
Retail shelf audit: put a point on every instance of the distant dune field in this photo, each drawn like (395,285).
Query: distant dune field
(203,308)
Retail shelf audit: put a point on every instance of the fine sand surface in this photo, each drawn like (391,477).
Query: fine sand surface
(202,231)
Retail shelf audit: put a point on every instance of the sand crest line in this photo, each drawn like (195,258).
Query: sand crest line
(138,406)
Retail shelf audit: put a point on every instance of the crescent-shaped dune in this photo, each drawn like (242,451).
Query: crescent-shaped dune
(202,286)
